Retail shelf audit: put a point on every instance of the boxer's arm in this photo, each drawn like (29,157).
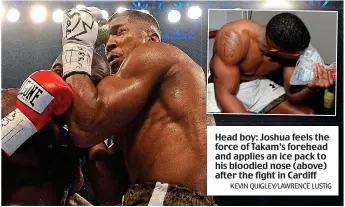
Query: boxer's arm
(295,94)
(107,174)
(226,82)
(229,49)
(99,112)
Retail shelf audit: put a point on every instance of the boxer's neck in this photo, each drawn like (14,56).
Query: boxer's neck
(262,41)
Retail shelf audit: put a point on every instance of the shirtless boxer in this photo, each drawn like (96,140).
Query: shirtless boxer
(158,93)
(45,170)
(245,51)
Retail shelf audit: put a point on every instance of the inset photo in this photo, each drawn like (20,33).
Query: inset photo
(272,62)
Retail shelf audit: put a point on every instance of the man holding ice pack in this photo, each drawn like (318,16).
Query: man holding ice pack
(244,52)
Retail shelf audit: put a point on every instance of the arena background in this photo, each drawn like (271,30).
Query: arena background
(27,47)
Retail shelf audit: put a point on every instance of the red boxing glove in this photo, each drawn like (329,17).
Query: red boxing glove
(43,94)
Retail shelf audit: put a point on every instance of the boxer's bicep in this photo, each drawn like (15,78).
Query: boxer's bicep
(122,96)
(226,83)
(228,52)
(226,77)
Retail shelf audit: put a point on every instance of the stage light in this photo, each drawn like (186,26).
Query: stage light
(194,12)
(58,15)
(144,11)
(121,9)
(105,14)
(38,14)
(13,15)
(174,16)
(80,6)
(276,4)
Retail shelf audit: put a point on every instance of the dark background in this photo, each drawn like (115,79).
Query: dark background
(27,47)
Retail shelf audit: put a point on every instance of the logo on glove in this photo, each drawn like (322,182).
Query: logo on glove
(74,19)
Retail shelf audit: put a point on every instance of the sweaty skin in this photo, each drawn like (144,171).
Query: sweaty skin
(158,94)
(240,54)
(26,179)
(107,175)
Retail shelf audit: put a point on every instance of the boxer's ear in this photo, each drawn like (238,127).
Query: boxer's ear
(57,68)
(154,37)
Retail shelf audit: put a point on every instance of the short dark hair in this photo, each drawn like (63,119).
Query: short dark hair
(137,15)
(288,32)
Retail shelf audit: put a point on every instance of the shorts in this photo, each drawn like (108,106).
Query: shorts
(159,194)
(258,96)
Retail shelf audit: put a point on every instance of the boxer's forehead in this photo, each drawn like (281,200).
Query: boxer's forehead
(120,20)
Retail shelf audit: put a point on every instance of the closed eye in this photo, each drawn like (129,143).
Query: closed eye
(121,31)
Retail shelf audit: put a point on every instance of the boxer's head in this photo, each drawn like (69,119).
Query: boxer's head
(287,36)
(100,67)
(127,30)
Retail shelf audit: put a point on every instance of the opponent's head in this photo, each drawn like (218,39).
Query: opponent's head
(287,36)
(100,67)
(127,30)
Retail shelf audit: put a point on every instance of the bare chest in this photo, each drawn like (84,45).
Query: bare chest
(257,64)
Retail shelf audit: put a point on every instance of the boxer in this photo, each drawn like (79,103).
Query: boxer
(244,52)
(158,92)
(45,170)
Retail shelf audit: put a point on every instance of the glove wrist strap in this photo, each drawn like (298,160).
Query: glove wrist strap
(16,128)
(76,58)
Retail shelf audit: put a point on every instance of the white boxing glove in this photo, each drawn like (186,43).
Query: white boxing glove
(80,31)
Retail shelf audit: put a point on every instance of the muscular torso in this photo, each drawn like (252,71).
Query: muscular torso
(36,174)
(168,140)
(255,64)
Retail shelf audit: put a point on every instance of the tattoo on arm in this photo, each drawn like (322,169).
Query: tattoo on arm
(229,40)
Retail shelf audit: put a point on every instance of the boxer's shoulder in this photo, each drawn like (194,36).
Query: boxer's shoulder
(239,24)
(155,57)
(232,44)
(8,101)
(160,49)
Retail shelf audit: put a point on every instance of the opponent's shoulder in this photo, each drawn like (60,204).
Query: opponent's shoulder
(8,100)
(9,93)
(232,43)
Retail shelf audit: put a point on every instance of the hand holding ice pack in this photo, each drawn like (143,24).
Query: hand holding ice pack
(304,70)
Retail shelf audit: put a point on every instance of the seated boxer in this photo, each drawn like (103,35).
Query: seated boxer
(45,170)
(244,52)
(158,91)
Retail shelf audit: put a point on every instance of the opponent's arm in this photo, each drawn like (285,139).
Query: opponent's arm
(107,174)
(41,95)
(229,51)
(301,94)
(99,112)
